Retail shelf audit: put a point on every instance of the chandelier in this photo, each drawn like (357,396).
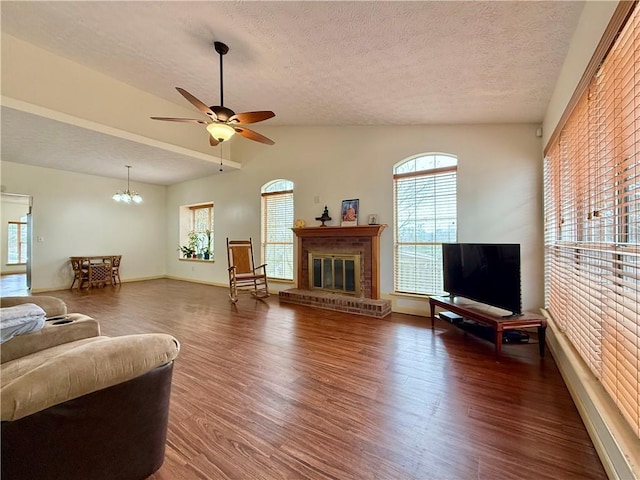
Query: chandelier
(128,195)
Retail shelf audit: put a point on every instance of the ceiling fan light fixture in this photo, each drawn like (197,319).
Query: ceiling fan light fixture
(223,119)
(128,195)
(220,131)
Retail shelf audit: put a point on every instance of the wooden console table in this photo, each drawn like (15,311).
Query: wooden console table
(481,314)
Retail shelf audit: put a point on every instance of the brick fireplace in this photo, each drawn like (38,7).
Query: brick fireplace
(361,240)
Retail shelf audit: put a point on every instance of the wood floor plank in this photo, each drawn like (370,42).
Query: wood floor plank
(269,391)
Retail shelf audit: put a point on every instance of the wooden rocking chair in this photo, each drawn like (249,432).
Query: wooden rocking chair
(243,274)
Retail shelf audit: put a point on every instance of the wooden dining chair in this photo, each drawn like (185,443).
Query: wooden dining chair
(115,268)
(80,272)
(243,274)
(100,274)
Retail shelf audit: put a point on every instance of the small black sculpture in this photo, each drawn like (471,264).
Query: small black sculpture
(325,216)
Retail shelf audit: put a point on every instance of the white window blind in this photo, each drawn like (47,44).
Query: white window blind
(425,217)
(277,236)
(592,224)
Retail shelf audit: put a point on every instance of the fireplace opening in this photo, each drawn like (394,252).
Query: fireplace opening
(335,272)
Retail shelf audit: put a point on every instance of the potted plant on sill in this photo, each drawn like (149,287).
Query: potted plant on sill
(207,247)
(193,243)
(187,252)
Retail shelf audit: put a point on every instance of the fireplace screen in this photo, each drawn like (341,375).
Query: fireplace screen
(335,272)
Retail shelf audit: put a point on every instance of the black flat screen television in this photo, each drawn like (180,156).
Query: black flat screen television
(485,272)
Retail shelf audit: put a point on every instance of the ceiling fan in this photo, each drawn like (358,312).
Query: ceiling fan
(224,122)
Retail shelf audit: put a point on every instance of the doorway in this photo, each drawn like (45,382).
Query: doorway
(15,243)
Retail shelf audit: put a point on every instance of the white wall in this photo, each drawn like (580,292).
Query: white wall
(13,208)
(499,189)
(75,215)
(499,200)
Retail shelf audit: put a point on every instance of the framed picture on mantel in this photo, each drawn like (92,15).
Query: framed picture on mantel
(349,213)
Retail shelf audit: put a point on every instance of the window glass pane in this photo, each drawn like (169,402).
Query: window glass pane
(12,246)
(277,186)
(201,219)
(16,242)
(425,217)
(277,222)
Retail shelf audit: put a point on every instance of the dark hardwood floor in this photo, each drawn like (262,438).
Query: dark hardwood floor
(269,391)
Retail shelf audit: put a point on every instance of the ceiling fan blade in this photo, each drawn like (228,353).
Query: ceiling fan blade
(212,141)
(251,135)
(185,120)
(251,117)
(197,103)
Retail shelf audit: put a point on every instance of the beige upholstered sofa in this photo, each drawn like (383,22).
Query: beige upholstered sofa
(79,405)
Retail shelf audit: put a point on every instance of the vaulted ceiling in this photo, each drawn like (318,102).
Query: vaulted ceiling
(311,62)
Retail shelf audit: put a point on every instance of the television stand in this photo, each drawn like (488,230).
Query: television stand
(481,314)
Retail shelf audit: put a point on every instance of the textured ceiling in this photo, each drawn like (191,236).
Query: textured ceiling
(94,152)
(322,63)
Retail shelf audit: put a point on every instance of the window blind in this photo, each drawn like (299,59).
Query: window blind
(592,224)
(425,217)
(277,234)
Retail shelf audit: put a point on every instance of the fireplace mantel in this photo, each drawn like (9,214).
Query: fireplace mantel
(359,231)
(370,241)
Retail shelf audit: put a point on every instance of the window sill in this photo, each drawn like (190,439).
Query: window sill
(280,280)
(415,296)
(211,260)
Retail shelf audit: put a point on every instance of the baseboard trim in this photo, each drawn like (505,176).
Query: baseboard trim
(617,446)
(192,280)
(66,286)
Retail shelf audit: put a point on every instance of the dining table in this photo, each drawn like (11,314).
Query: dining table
(94,270)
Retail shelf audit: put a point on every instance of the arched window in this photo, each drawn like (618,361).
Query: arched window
(277,221)
(425,217)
